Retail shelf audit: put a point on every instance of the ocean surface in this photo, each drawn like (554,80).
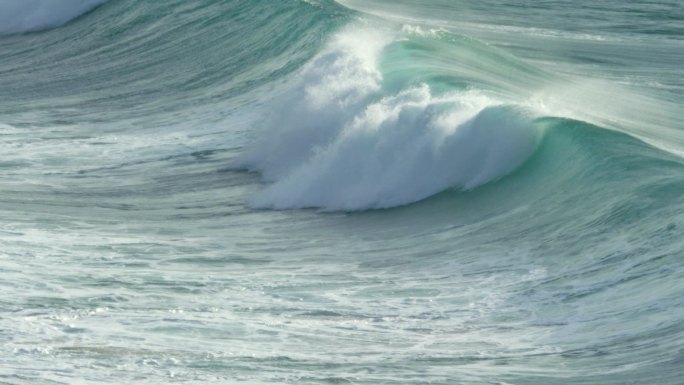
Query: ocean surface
(341,192)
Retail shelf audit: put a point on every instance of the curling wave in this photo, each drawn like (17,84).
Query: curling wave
(337,140)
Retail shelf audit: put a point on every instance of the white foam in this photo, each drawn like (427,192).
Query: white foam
(335,142)
(18,16)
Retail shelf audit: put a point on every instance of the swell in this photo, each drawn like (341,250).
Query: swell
(138,100)
(131,60)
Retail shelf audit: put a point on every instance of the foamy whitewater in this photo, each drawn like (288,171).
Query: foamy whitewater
(319,192)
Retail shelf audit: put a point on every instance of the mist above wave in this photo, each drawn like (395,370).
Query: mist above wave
(19,16)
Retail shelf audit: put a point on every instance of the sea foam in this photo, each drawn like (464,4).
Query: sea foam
(337,141)
(18,16)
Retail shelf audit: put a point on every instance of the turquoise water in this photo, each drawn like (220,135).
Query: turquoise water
(319,192)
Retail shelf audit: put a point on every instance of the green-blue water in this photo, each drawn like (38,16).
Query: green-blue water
(362,192)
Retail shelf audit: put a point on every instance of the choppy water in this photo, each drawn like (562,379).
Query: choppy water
(365,192)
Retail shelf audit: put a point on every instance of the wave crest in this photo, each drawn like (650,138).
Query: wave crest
(19,16)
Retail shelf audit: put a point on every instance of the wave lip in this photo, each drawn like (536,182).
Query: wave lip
(20,16)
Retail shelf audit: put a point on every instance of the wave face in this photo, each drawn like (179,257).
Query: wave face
(368,192)
(18,16)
